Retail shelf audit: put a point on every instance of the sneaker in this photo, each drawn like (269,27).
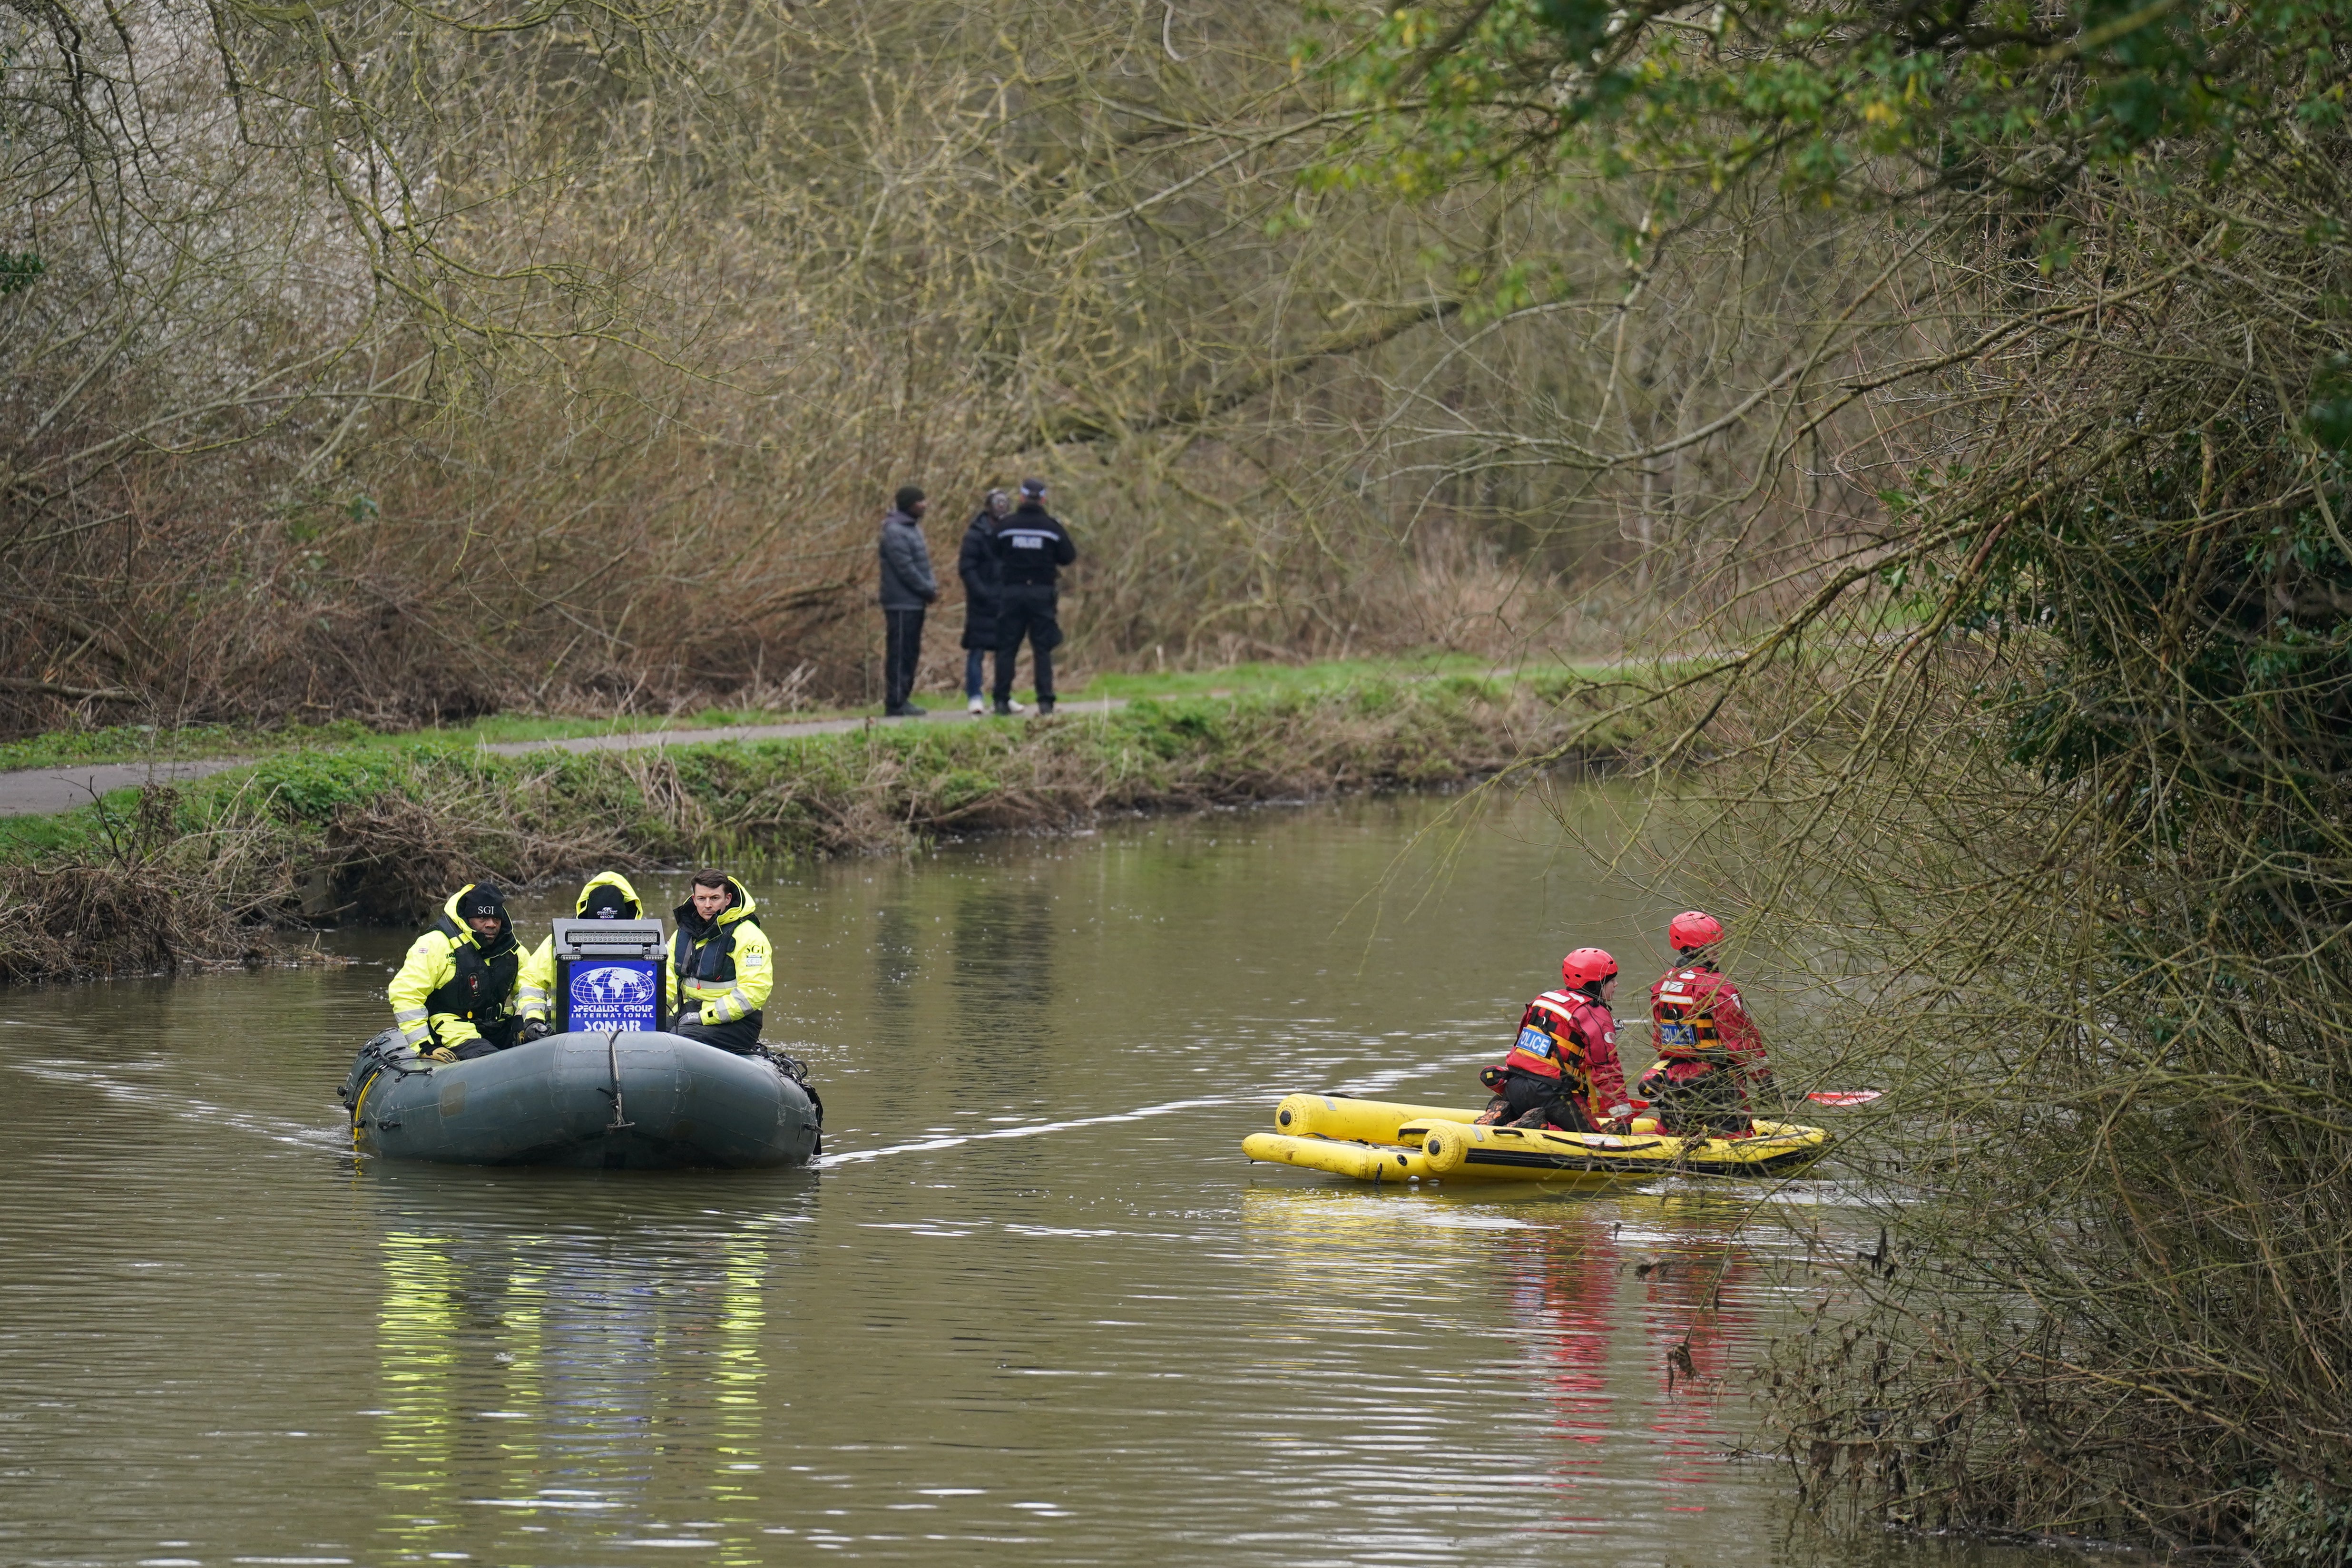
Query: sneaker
(1046,707)
(977,706)
(1004,710)
(907,711)
(1015,708)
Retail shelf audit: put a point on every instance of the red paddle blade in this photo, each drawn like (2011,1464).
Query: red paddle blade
(1842,1096)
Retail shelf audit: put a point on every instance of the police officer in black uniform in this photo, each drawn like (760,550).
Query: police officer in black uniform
(1032,547)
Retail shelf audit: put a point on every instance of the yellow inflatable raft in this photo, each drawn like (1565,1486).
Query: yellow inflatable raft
(1374,1140)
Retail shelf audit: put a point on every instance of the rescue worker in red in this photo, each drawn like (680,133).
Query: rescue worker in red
(1563,1070)
(1710,1051)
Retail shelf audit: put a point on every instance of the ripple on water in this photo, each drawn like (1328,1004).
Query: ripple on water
(1068,1324)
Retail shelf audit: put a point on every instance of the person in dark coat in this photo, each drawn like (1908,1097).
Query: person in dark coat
(983,582)
(908,588)
(1031,548)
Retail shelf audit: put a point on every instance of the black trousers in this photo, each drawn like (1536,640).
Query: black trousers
(742,1037)
(903,638)
(1523,1092)
(1026,610)
(496,1036)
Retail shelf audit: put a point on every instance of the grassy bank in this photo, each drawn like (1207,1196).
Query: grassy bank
(148,743)
(151,743)
(380,832)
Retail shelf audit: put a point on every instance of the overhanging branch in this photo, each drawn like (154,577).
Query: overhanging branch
(1199,407)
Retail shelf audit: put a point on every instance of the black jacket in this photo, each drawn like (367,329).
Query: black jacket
(907,580)
(1032,547)
(983,581)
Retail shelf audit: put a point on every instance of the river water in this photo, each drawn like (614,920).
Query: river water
(1034,1308)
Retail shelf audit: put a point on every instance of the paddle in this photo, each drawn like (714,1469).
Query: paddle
(1819,1096)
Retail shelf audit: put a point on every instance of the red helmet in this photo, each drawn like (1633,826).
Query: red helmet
(1586,967)
(1693,928)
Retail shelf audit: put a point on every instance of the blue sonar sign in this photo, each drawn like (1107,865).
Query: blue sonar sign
(613,994)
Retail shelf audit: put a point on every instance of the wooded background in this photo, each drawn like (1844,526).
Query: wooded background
(374,361)
(1956,398)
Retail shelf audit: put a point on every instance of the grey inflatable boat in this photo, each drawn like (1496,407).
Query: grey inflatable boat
(607,1100)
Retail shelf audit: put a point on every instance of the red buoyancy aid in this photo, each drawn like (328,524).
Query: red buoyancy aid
(1700,1021)
(1547,1034)
(1564,1034)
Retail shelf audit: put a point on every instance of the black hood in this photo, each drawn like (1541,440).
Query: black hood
(484,897)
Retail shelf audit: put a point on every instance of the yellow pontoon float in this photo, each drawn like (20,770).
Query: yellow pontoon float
(1374,1140)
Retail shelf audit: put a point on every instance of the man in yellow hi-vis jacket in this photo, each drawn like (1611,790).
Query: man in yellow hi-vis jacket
(453,995)
(720,967)
(606,896)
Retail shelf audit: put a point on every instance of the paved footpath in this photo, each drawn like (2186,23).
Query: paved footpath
(36,792)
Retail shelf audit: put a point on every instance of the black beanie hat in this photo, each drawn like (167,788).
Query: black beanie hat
(908,495)
(606,903)
(482,899)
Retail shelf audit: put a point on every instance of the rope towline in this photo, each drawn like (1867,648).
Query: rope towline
(612,1064)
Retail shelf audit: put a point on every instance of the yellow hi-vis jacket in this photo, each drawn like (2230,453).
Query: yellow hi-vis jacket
(535,987)
(719,971)
(452,980)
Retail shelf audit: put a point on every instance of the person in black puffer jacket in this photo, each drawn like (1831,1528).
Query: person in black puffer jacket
(983,584)
(907,587)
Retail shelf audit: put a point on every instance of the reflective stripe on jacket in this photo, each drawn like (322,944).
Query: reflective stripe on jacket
(1032,546)
(720,970)
(1568,1036)
(535,984)
(1702,1024)
(1540,1046)
(452,980)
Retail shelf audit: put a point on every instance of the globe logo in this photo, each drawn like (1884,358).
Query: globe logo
(614,996)
(613,988)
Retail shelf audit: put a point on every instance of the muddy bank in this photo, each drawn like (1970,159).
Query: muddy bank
(231,866)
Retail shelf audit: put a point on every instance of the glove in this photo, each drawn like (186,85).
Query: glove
(533,1029)
(442,1054)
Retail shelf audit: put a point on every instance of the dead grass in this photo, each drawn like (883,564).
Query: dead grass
(219,873)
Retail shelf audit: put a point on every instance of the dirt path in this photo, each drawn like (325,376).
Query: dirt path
(38,792)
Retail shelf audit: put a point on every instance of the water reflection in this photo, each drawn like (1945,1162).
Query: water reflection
(1611,1322)
(1016,1323)
(1004,972)
(418,1345)
(1563,1283)
(546,1375)
(1697,1311)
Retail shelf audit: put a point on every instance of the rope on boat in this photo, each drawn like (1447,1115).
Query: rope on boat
(613,1061)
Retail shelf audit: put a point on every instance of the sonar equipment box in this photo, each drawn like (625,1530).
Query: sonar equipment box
(608,975)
